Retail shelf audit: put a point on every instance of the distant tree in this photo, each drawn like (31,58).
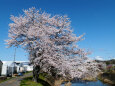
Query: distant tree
(51,45)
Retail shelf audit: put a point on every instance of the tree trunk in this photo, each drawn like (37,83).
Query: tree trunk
(50,79)
(36,70)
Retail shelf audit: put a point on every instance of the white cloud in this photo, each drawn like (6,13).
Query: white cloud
(99,58)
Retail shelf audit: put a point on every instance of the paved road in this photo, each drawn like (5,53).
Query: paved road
(15,81)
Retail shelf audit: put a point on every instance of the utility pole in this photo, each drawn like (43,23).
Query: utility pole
(13,68)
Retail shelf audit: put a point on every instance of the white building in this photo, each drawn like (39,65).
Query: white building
(5,66)
(25,66)
(10,67)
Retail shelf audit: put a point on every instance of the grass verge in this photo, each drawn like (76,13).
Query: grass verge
(28,82)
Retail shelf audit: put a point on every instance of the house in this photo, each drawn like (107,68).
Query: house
(10,67)
(25,66)
(13,68)
(5,67)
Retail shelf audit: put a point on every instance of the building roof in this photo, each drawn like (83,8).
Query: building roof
(9,63)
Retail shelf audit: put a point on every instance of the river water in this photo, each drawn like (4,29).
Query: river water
(95,83)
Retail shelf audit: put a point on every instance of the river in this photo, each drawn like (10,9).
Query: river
(95,83)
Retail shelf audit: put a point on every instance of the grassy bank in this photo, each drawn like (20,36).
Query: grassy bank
(108,77)
(29,82)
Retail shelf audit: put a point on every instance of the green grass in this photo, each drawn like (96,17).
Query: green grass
(28,72)
(42,76)
(28,82)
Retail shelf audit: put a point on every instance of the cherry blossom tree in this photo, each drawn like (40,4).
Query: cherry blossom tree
(51,45)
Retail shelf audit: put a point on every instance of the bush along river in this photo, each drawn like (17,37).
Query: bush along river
(88,83)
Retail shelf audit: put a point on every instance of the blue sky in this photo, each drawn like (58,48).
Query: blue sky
(96,18)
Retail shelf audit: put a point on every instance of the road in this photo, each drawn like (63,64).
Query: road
(15,81)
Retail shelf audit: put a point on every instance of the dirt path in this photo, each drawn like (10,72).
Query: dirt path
(15,81)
